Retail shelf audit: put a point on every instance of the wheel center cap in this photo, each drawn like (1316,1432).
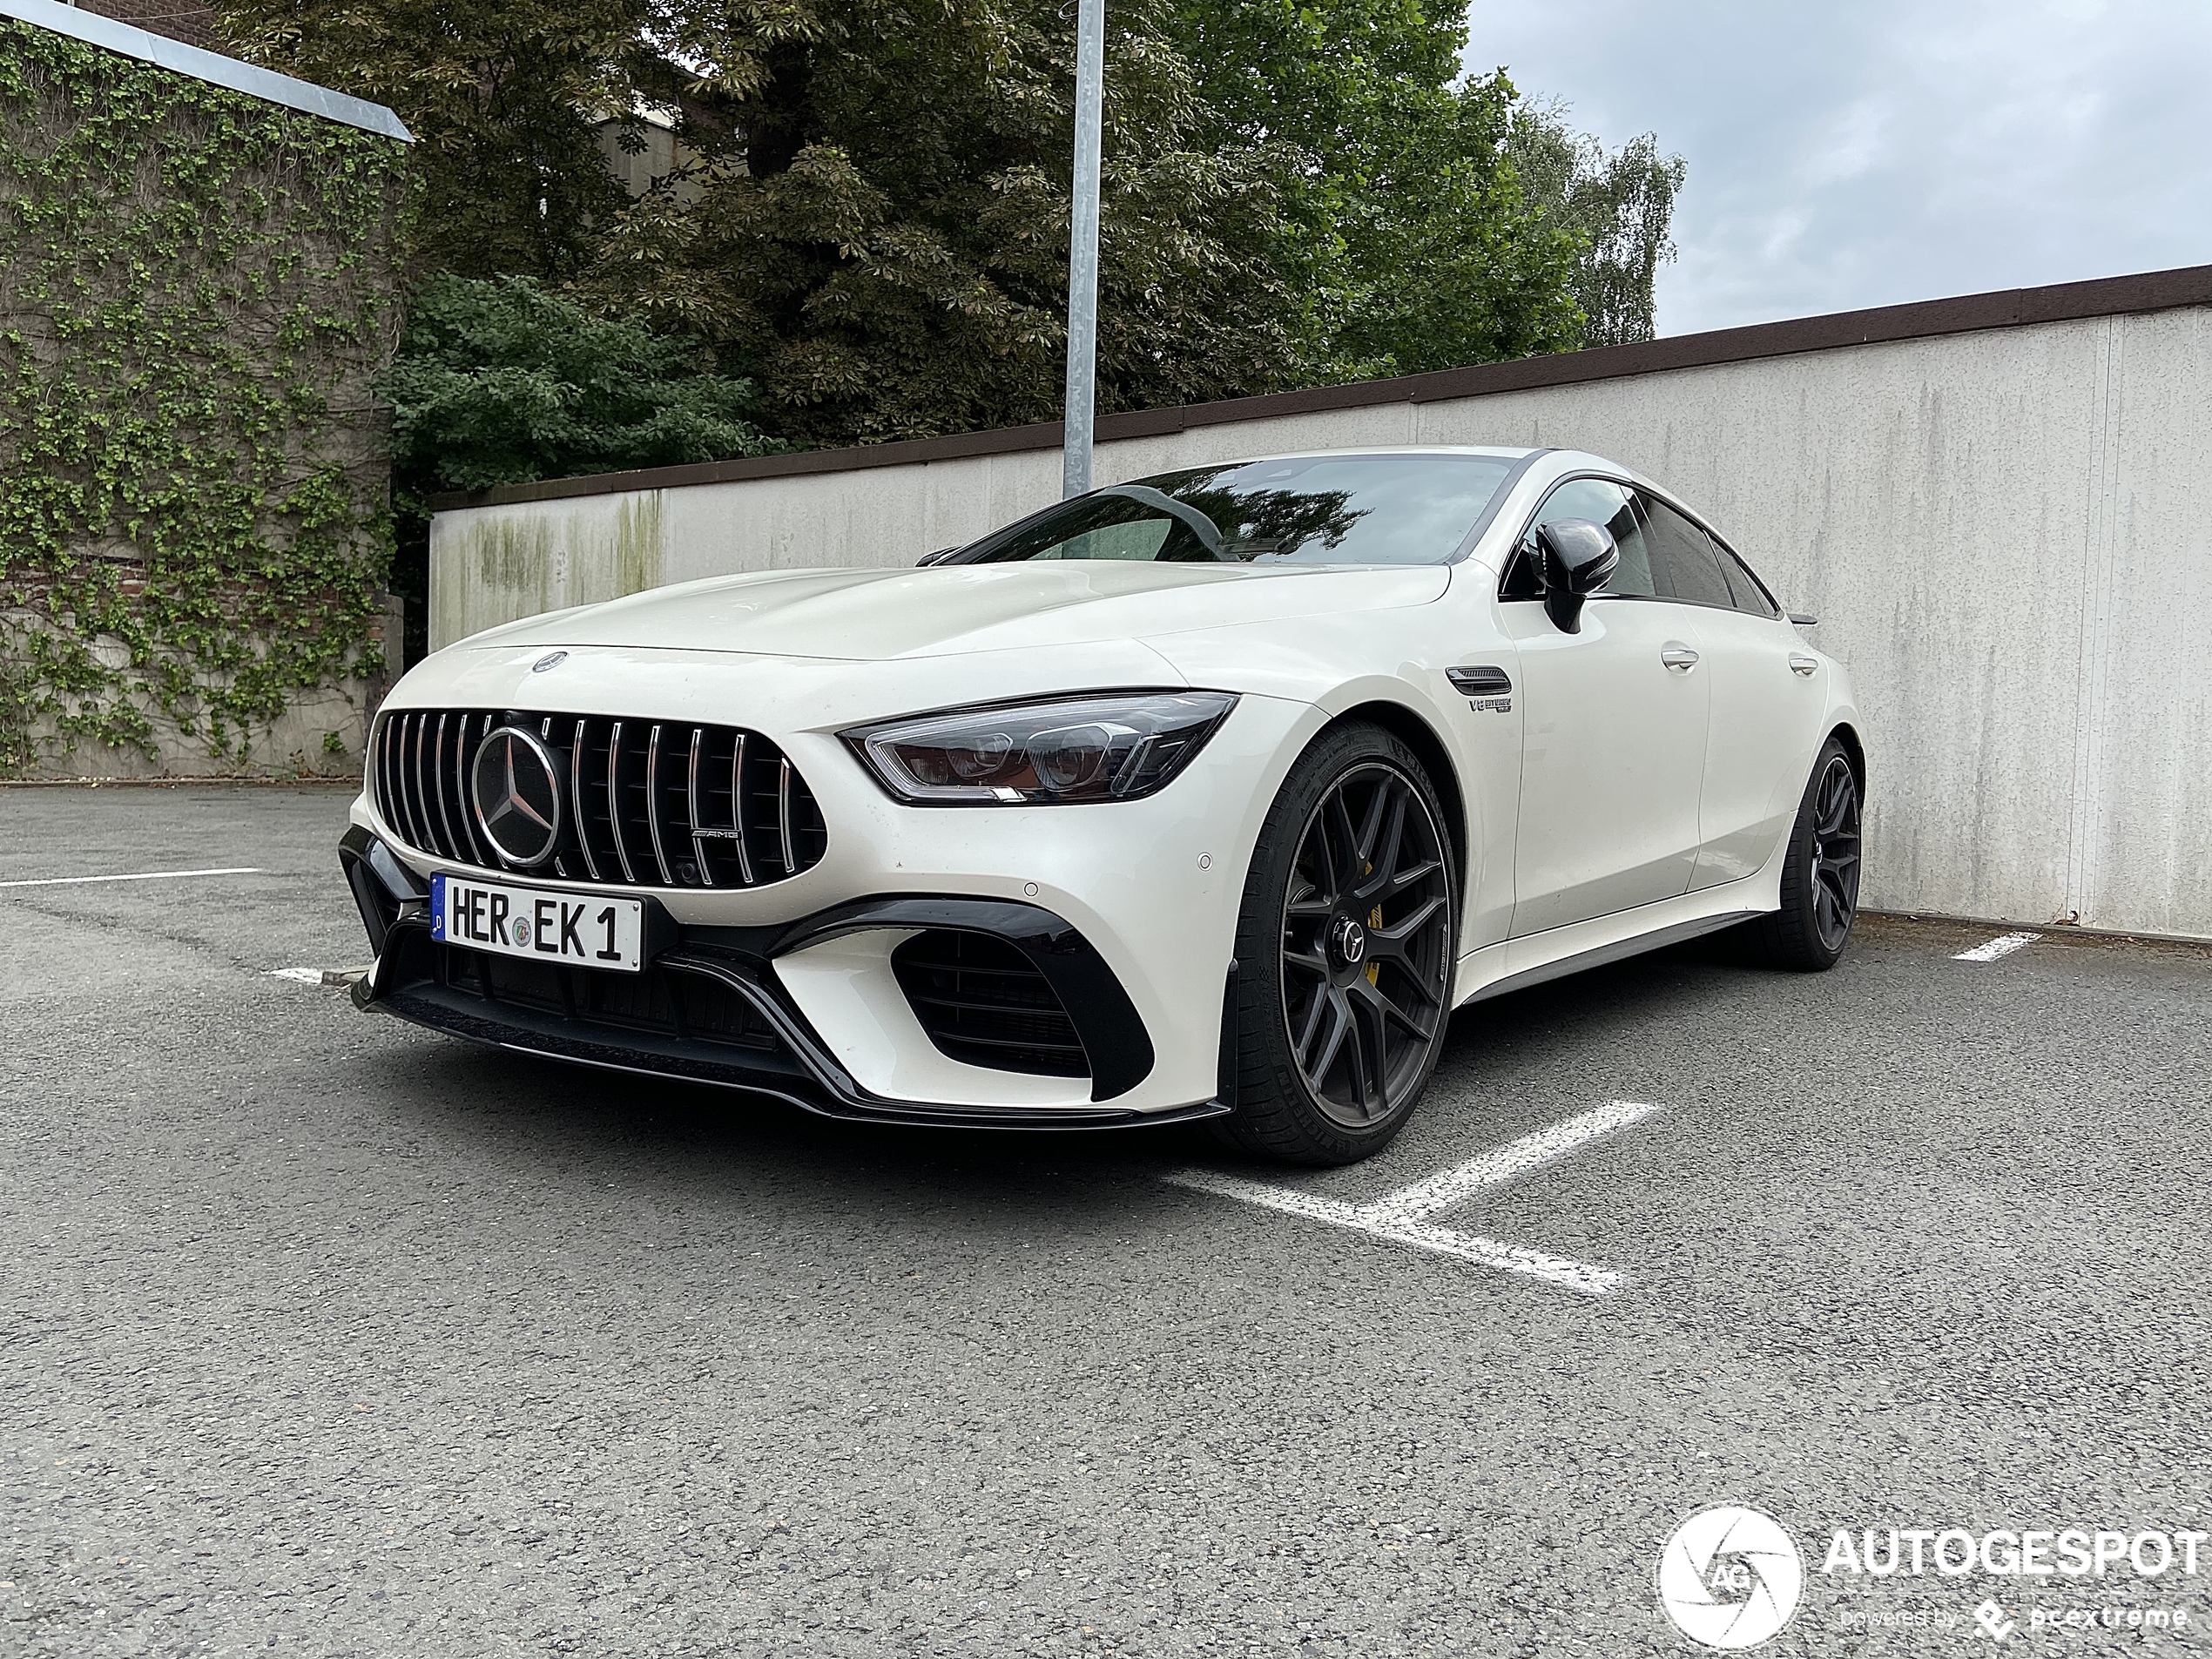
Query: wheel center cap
(1349,940)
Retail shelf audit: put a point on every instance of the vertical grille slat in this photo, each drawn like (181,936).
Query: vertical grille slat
(394,801)
(452,847)
(545,735)
(383,759)
(448,777)
(474,850)
(737,828)
(441,804)
(387,774)
(421,776)
(408,725)
(433,792)
(576,807)
(691,804)
(652,805)
(403,727)
(667,821)
(614,801)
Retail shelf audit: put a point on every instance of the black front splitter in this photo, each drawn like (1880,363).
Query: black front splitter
(796,1083)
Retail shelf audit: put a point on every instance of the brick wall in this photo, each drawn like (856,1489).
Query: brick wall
(194,25)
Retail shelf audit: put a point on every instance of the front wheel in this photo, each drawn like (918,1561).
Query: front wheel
(1820,872)
(1345,947)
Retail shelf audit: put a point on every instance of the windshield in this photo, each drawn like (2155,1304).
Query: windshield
(1308,509)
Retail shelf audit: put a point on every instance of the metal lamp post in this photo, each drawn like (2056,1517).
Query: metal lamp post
(1082,250)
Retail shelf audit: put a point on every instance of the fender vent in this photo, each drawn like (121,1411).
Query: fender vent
(643,803)
(983,1003)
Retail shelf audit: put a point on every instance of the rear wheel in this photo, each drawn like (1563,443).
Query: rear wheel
(1345,953)
(1820,874)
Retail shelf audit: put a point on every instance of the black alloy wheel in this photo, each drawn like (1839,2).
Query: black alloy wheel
(1346,948)
(1366,947)
(1820,874)
(1835,853)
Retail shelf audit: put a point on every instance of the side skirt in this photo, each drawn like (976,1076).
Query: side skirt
(1516,964)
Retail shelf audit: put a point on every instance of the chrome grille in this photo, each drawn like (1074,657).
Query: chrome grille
(646,803)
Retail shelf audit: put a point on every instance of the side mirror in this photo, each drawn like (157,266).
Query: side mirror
(938,557)
(1576,558)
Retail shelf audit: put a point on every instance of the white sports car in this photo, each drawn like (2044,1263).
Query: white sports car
(1207,796)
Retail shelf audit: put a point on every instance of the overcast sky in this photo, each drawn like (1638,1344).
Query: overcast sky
(1861,153)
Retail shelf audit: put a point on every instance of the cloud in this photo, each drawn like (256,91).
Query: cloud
(1890,150)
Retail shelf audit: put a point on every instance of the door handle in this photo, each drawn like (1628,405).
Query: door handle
(1681,658)
(1800,664)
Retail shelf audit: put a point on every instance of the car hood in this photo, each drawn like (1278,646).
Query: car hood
(877,616)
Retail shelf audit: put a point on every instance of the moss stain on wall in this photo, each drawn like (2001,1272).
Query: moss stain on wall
(638,546)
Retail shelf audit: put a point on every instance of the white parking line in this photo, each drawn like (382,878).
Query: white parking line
(1461,1181)
(305,975)
(1401,1216)
(147,875)
(2004,946)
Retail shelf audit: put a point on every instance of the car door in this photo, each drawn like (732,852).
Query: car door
(1760,733)
(1613,746)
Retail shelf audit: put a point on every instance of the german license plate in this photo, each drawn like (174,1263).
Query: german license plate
(580,931)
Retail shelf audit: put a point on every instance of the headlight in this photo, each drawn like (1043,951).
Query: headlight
(1113,747)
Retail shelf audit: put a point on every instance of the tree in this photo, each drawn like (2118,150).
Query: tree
(877,227)
(1405,225)
(1621,205)
(503,96)
(498,382)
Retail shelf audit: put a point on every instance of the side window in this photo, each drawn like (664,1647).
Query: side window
(1601,502)
(1750,592)
(1682,560)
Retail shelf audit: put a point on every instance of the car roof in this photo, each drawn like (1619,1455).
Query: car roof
(1557,462)
(1503,452)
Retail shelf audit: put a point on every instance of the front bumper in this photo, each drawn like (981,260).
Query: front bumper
(714,1006)
(1152,885)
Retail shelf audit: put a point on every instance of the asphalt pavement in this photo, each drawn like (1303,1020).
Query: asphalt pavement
(321,1335)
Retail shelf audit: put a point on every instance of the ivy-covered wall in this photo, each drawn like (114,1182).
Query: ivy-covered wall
(198,290)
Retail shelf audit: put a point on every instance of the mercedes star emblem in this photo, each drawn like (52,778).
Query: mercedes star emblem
(515,785)
(1351,939)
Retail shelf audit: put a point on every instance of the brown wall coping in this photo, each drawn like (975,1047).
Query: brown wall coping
(1966,314)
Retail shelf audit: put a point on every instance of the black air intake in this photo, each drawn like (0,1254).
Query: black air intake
(983,1001)
(643,803)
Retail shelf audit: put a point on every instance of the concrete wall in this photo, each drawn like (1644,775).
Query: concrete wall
(2002,532)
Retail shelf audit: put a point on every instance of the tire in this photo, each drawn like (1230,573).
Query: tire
(1820,874)
(1345,944)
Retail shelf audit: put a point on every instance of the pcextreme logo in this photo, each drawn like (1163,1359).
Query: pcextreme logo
(1730,1576)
